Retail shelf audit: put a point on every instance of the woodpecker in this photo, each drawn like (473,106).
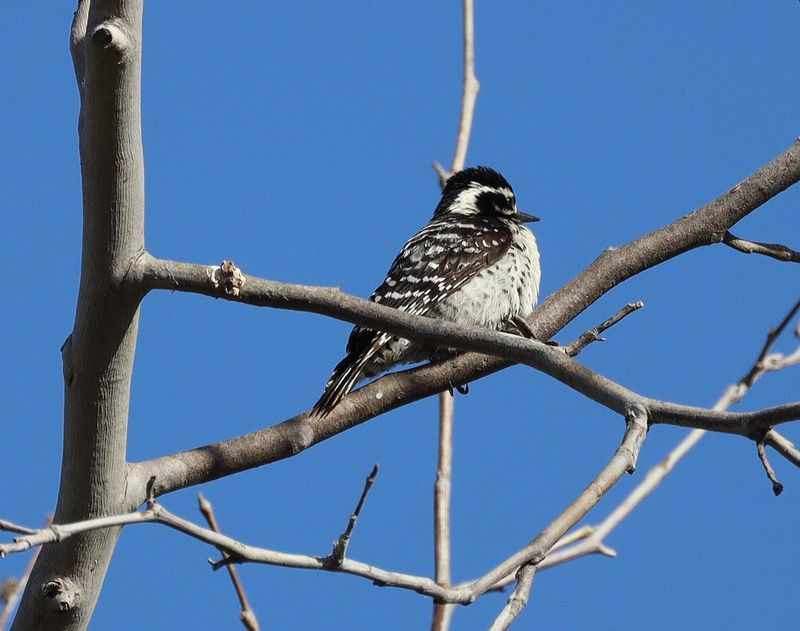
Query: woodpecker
(474,263)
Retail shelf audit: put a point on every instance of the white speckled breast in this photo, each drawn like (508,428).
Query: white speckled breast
(506,289)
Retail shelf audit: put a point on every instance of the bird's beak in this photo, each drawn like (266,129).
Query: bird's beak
(525,218)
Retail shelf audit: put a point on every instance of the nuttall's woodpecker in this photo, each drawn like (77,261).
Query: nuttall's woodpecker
(473,263)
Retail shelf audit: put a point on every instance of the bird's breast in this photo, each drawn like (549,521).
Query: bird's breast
(506,288)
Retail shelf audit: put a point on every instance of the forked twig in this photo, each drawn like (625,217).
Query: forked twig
(595,334)
(765,362)
(624,460)
(339,551)
(247,615)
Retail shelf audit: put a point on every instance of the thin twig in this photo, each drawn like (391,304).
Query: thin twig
(443,173)
(469,91)
(518,599)
(783,446)
(624,460)
(247,615)
(777,487)
(340,545)
(12,598)
(12,590)
(12,527)
(774,250)
(762,365)
(442,613)
(595,334)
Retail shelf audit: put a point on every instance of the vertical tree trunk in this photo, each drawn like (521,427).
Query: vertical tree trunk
(98,356)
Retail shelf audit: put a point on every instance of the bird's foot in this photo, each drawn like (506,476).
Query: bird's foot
(461,389)
(519,325)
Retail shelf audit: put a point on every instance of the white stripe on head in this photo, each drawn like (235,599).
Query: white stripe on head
(466,201)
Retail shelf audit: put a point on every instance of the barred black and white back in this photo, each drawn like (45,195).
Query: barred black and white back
(473,263)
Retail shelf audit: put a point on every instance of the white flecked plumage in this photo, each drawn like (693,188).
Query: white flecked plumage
(473,263)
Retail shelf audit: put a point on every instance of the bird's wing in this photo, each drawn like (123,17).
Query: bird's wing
(436,262)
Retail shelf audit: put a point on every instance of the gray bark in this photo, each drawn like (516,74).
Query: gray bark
(98,355)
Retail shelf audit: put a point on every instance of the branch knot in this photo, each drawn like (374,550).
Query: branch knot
(112,35)
(61,594)
(228,277)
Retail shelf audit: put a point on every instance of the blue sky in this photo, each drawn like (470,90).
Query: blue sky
(296,139)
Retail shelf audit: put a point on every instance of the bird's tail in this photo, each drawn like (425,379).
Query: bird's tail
(346,374)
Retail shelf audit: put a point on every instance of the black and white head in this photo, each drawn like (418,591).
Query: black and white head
(480,191)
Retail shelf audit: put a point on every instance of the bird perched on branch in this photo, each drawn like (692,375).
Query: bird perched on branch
(473,263)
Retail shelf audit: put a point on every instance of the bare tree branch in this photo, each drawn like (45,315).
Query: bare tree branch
(765,362)
(774,250)
(340,545)
(247,615)
(594,335)
(443,613)
(294,435)
(783,446)
(12,527)
(469,90)
(518,599)
(237,551)
(704,226)
(624,460)
(16,587)
(777,487)
(96,483)
(77,49)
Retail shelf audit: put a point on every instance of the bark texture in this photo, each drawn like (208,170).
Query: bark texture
(98,355)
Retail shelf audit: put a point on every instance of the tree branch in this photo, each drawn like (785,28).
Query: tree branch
(247,615)
(704,226)
(624,460)
(518,599)
(595,334)
(337,555)
(765,362)
(774,250)
(292,436)
(469,93)
(777,487)
(98,355)
(10,598)
(783,446)
(238,552)
(442,613)
(12,527)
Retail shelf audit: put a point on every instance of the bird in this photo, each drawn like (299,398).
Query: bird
(474,262)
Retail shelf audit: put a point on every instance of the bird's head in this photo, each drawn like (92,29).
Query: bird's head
(480,191)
